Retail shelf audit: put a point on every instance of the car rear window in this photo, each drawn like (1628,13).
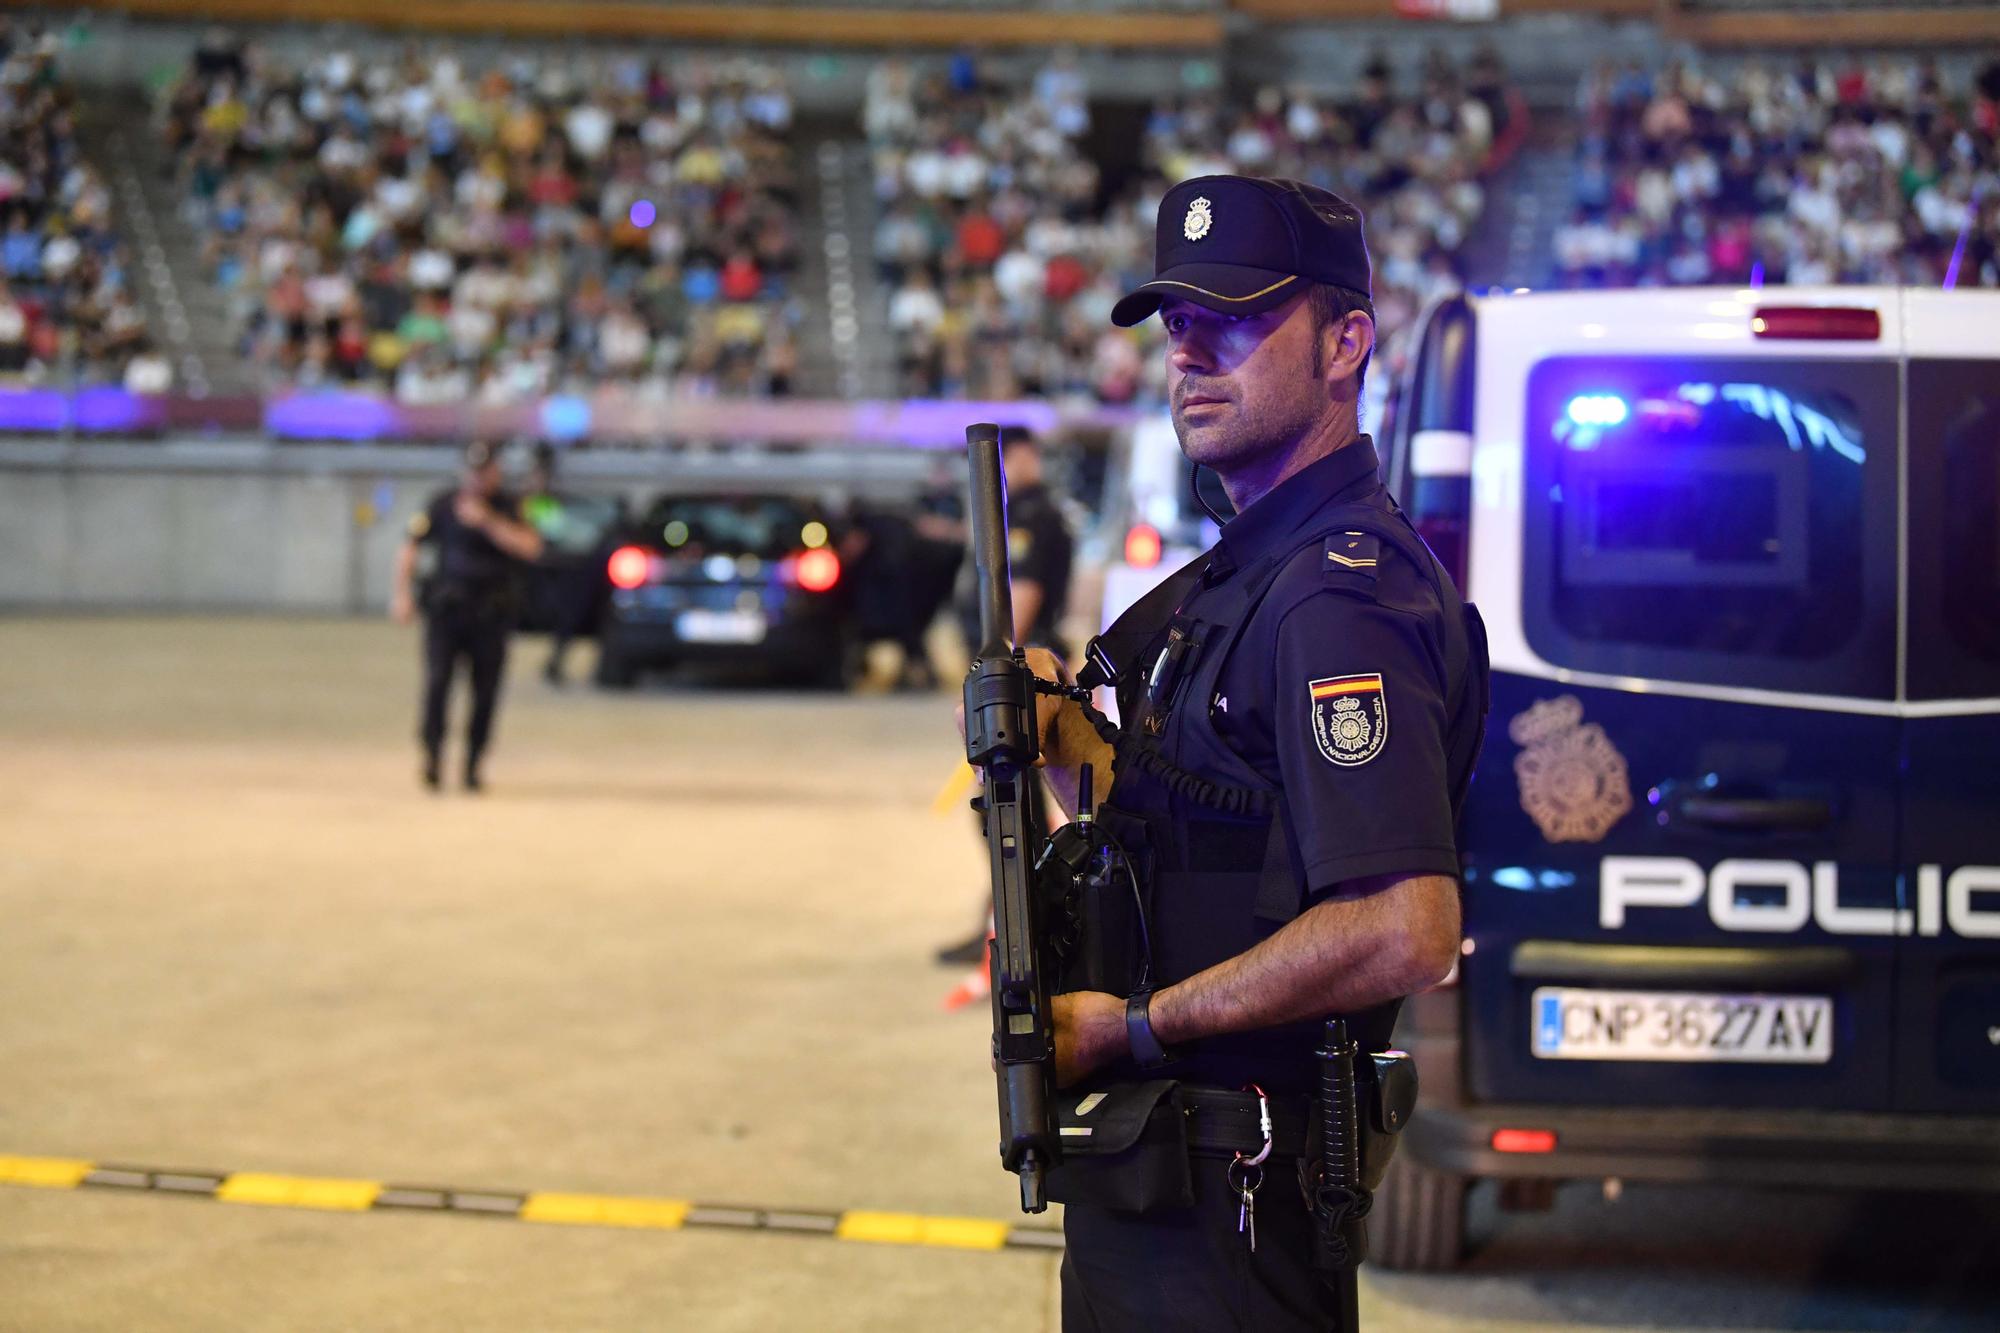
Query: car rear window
(1954,480)
(1715,521)
(757,526)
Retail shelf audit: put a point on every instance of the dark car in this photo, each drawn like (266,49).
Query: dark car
(1731,861)
(751,581)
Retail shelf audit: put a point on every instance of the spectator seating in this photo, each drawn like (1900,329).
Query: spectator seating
(1801,173)
(1004,256)
(450,230)
(67,314)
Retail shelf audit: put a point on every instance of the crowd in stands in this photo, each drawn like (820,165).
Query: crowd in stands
(448,231)
(1004,248)
(67,313)
(1806,173)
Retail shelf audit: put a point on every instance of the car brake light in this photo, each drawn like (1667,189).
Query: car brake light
(817,570)
(628,567)
(1822,323)
(1142,546)
(1524,1140)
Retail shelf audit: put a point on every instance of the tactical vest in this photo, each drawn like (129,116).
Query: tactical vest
(1209,837)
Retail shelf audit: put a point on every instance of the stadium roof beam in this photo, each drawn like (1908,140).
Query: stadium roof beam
(771,24)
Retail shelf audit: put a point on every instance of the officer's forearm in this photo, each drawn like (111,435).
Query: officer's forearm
(515,538)
(1336,957)
(1027,605)
(406,568)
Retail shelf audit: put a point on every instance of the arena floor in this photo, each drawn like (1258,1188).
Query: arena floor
(681,949)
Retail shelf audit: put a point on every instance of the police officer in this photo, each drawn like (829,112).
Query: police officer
(1302,705)
(468,599)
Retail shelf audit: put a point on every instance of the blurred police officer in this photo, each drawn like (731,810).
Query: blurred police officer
(568,581)
(468,599)
(1040,549)
(1303,705)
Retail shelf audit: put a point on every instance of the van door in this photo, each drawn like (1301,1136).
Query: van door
(1948,1047)
(1681,881)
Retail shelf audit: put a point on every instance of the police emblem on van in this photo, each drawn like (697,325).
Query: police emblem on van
(1574,784)
(1350,718)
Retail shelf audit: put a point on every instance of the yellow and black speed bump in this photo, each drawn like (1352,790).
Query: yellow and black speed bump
(598,1210)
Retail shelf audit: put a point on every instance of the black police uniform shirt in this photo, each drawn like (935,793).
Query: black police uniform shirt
(1327,641)
(1039,548)
(471,566)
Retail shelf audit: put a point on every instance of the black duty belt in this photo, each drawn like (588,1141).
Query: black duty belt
(1222,1121)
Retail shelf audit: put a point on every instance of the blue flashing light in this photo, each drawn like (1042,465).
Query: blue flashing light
(1597,410)
(643,214)
(565,417)
(330,416)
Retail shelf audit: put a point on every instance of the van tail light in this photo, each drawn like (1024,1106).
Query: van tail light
(1524,1140)
(817,570)
(628,567)
(1142,546)
(1817,323)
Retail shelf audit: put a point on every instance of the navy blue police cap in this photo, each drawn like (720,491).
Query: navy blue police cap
(1244,244)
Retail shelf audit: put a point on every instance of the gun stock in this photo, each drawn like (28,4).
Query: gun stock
(1000,738)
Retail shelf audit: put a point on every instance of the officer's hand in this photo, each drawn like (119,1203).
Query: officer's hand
(1048,706)
(402,609)
(472,510)
(1090,1033)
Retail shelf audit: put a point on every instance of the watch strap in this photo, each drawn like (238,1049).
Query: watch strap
(1147,1052)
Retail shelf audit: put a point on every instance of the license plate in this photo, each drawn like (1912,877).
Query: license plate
(721,626)
(1656,1025)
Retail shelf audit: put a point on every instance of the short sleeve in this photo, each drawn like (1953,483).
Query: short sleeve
(1027,552)
(1361,741)
(423,528)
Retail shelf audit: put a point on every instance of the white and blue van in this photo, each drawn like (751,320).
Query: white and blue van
(1732,853)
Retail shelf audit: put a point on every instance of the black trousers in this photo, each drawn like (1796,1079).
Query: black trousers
(453,633)
(1187,1270)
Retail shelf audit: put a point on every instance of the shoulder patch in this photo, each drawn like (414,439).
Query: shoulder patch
(1350,560)
(420,525)
(1350,718)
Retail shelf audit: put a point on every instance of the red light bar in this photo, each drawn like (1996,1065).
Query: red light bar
(1818,323)
(1524,1140)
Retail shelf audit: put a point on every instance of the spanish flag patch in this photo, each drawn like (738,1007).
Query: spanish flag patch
(1350,718)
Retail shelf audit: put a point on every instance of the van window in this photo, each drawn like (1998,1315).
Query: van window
(1726,522)
(1954,597)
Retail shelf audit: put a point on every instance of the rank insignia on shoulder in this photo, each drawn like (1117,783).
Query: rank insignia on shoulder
(1351,559)
(1350,718)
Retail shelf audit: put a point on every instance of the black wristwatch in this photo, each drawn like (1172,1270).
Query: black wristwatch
(1147,1052)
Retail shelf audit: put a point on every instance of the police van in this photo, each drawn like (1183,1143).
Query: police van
(1732,854)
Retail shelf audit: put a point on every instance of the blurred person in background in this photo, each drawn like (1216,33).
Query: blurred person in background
(936,556)
(1040,549)
(468,599)
(570,585)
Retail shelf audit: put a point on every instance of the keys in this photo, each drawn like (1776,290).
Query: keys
(1246,1178)
(1246,1173)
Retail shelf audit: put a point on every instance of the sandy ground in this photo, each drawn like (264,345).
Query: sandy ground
(680,948)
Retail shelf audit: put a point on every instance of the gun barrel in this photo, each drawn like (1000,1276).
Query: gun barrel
(989,540)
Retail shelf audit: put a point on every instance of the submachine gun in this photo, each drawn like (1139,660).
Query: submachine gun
(1002,739)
